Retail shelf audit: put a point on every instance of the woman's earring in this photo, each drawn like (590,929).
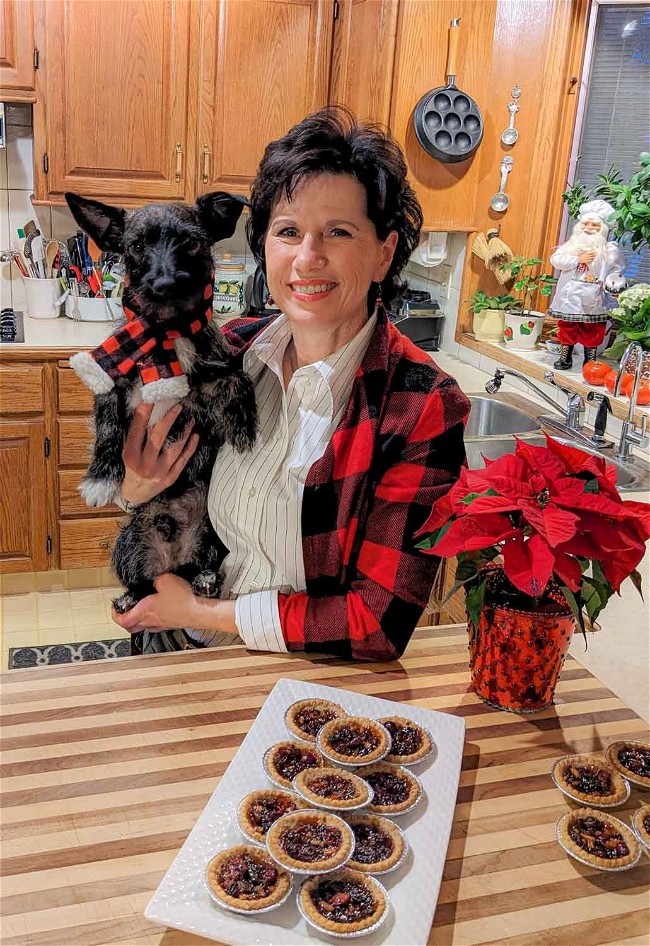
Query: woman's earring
(269,301)
(379,302)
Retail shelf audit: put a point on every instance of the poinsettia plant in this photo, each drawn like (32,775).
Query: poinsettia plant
(548,513)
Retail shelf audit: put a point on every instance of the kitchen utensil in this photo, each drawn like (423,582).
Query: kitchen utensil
(51,252)
(30,227)
(500,200)
(38,255)
(447,121)
(29,239)
(510,134)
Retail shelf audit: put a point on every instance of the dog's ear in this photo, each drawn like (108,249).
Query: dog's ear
(103,223)
(219,213)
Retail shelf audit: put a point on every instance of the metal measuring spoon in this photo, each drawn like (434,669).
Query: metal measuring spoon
(500,200)
(510,134)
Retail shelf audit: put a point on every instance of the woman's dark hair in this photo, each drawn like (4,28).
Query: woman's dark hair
(332,142)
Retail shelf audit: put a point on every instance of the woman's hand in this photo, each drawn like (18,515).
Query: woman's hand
(173,605)
(150,465)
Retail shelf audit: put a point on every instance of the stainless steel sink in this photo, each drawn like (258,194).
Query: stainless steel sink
(492,418)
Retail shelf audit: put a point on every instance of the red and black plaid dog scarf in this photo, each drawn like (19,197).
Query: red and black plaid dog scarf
(146,348)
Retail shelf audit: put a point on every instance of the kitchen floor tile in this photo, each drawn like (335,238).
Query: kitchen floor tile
(87,598)
(50,601)
(90,617)
(55,619)
(17,623)
(18,604)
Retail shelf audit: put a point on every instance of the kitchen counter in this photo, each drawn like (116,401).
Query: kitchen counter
(107,764)
(61,333)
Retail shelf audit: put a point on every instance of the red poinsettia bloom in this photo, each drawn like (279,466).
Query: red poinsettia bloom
(548,510)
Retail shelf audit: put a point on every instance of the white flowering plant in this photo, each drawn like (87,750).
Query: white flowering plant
(632,318)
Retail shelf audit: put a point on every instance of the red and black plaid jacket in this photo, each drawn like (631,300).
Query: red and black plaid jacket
(398,449)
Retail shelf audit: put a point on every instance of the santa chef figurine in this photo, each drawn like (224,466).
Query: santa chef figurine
(589,267)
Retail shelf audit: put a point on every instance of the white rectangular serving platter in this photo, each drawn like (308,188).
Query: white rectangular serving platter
(182,900)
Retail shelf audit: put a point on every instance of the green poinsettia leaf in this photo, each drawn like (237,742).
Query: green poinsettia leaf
(595,595)
(466,500)
(575,603)
(637,581)
(474,603)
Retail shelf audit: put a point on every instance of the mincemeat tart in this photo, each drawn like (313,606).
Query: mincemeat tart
(632,760)
(260,809)
(588,780)
(410,743)
(283,761)
(396,789)
(310,842)
(354,740)
(332,788)
(641,822)
(598,839)
(379,845)
(345,903)
(245,878)
(306,718)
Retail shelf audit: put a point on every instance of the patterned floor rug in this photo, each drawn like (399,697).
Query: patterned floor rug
(67,653)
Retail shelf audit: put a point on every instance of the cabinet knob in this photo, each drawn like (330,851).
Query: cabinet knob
(179,162)
(105,544)
(206,164)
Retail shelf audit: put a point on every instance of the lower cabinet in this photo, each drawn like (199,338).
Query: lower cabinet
(23,514)
(86,543)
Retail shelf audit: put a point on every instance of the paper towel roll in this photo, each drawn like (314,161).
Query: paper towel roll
(432,250)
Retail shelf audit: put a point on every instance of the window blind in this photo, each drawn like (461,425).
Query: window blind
(616,124)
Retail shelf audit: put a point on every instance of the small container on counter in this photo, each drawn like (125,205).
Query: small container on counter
(229,285)
(42,298)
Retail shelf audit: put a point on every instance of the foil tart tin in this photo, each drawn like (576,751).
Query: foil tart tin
(305,737)
(265,762)
(388,870)
(356,763)
(613,761)
(356,933)
(335,809)
(592,803)
(240,820)
(636,827)
(311,870)
(404,811)
(240,910)
(424,757)
(582,860)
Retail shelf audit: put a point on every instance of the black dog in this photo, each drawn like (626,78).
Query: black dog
(169,351)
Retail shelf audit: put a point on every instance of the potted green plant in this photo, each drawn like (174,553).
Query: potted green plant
(523,324)
(540,536)
(632,320)
(489,315)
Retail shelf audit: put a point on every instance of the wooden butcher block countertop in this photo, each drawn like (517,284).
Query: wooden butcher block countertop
(106,766)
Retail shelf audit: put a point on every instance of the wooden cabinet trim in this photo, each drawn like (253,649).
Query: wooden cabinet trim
(23,517)
(87,543)
(17,73)
(21,389)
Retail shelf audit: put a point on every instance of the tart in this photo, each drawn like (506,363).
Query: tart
(641,822)
(596,838)
(586,779)
(345,903)
(354,740)
(396,789)
(258,810)
(310,842)
(332,788)
(379,845)
(306,718)
(284,760)
(245,879)
(631,759)
(410,743)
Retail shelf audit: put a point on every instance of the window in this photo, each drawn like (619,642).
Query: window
(614,118)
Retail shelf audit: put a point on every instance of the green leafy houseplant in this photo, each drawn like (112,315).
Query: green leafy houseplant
(528,280)
(632,318)
(481,301)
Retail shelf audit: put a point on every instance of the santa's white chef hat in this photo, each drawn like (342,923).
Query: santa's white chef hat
(598,210)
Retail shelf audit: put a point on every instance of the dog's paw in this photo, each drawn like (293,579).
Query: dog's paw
(207,584)
(124,603)
(98,492)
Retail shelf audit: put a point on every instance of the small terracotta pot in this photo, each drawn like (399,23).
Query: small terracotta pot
(516,656)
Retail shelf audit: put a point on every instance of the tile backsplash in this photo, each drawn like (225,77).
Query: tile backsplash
(16,208)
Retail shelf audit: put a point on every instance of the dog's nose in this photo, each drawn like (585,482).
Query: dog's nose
(162,286)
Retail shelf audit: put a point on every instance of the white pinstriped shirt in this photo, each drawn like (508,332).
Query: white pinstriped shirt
(255,498)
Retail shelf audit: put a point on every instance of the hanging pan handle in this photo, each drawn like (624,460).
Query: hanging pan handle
(452,55)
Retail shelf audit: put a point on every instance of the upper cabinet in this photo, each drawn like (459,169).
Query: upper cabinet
(264,65)
(112,119)
(17,56)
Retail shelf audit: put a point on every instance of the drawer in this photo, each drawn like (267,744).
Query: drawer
(73,396)
(21,389)
(75,441)
(86,543)
(71,503)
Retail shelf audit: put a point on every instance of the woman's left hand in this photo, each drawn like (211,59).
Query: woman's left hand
(173,605)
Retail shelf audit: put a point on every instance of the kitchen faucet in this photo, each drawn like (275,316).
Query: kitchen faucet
(629,434)
(573,413)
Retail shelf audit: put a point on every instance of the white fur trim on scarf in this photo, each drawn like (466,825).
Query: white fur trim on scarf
(92,375)
(164,389)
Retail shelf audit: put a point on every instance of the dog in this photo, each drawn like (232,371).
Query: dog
(168,352)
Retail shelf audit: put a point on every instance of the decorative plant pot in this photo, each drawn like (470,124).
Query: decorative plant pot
(488,325)
(515,655)
(522,331)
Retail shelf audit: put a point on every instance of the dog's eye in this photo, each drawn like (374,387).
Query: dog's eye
(137,246)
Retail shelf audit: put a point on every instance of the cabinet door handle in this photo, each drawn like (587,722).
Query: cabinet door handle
(179,162)
(104,544)
(206,164)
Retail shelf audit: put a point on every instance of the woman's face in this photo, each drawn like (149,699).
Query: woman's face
(322,253)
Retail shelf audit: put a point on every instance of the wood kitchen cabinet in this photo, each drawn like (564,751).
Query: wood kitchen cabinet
(17,53)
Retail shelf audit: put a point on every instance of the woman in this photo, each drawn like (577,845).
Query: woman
(360,433)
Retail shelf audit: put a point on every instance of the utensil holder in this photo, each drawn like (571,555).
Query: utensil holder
(95,310)
(41,297)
